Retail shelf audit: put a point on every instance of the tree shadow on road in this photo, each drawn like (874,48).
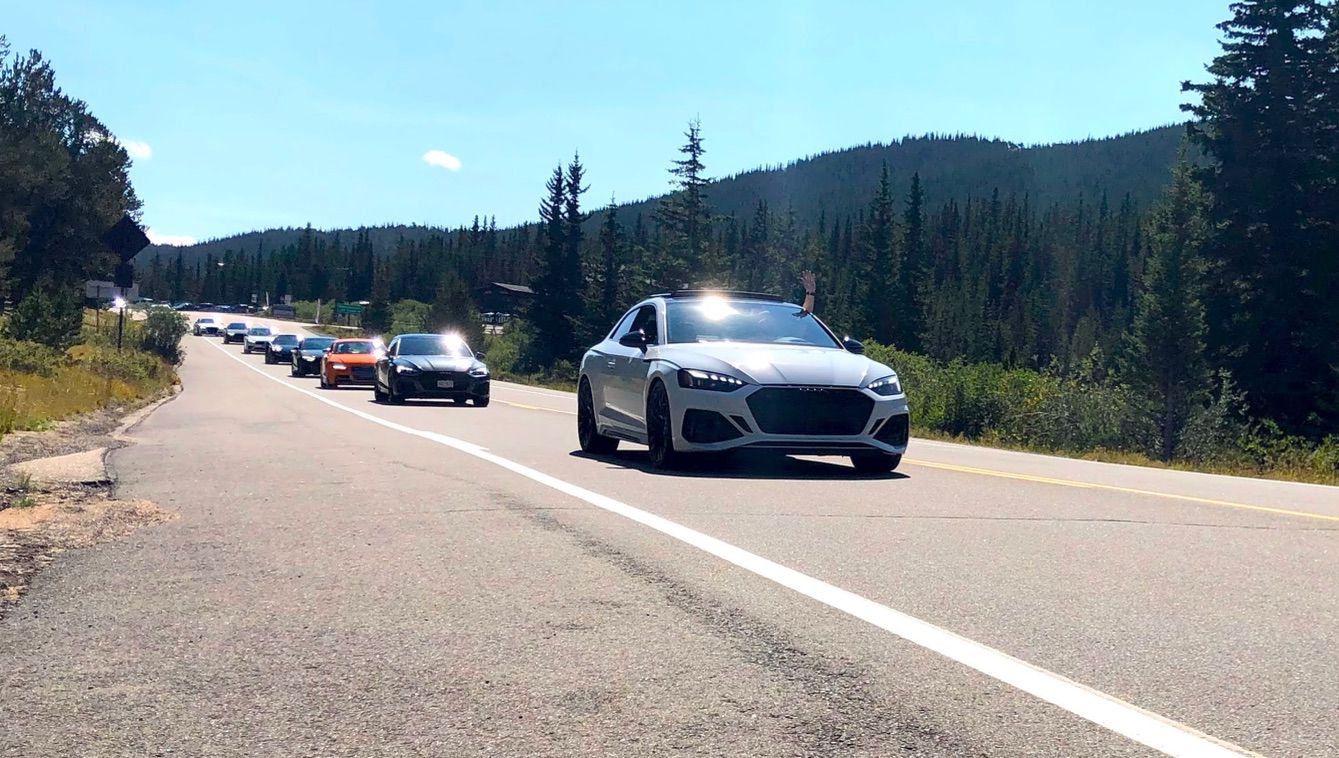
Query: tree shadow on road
(740,465)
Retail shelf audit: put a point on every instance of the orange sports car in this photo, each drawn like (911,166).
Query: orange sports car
(350,362)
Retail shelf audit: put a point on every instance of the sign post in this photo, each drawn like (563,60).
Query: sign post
(126,239)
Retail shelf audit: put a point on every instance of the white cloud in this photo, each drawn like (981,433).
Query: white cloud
(168,239)
(443,159)
(137,149)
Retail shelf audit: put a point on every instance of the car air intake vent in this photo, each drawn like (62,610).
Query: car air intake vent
(707,426)
(810,410)
(895,430)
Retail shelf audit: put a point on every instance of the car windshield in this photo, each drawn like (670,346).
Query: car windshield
(718,319)
(260,331)
(432,344)
(237,325)
(354,348)
(318,343)
(286,340)
(205,321)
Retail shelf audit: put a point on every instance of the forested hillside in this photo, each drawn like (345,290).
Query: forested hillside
(837,183)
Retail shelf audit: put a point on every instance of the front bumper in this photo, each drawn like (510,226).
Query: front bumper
(355,374)
(428,384)
(791,420)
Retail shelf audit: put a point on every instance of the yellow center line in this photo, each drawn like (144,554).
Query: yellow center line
(536,407)
(1126,490)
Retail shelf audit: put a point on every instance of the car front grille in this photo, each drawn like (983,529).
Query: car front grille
(810,410)
(362,373)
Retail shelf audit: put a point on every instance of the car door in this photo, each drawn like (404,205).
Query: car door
(626,387)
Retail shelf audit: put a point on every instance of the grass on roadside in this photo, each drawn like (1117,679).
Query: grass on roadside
(39,386)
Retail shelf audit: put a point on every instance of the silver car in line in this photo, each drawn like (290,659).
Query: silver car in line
(702,371)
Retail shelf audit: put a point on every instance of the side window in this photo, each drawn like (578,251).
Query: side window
(646,321)
(624,324)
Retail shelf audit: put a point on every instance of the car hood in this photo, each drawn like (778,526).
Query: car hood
(776,364)
(437,362)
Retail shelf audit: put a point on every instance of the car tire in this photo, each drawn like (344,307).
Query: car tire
(293,370)
(876,463)
(480,402)
(588,433)
(660,430)
(269,358)
(377,395)
(393,397)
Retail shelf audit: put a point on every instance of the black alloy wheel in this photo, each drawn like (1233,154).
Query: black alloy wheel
(660,430)
(588,434)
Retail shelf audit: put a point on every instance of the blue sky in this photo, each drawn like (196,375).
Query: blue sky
(247,114)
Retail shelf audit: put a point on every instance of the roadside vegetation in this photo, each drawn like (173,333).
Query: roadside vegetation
(41,384)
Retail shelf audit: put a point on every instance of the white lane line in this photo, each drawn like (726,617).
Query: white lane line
(1127,719)
(555,394)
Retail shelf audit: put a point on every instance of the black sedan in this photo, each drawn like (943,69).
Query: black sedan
(306,357)
(281,348)
(431,365)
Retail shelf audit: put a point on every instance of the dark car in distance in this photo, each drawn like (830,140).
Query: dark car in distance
(306,357)
(281,348)
(431,366)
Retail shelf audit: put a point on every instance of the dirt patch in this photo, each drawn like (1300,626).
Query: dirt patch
(64,437)
(60,518)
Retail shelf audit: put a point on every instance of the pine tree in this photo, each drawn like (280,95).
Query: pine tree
(1272,257)
(879,269)
(573,220)
(377,316)
(453,310)
(911,271)
(1165,363)
(684,218)
(608,287)
(557,287)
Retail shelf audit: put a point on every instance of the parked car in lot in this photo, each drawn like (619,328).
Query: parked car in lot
(235,331)
(205,326)
(431,366)
(281,348)
(257,339)
(708,371)
(307,355)
(350,361)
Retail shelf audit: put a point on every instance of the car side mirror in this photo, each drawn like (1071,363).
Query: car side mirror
(635,338)
(479,356)
(854,346)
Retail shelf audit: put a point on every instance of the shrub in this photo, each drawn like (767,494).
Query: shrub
(29,357)
(52,316)
(126,365)
(162,333)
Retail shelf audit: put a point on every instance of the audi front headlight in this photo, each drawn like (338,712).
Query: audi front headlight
(405,368)
(887,386)
(694,379)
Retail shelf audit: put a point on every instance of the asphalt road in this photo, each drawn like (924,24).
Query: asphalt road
(351,579)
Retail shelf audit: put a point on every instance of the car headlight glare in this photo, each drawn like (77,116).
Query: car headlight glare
(405,368)
(479,373)
(887,386)
(694,379)
(338,366)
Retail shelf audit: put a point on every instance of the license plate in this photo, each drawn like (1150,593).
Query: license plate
(445,384)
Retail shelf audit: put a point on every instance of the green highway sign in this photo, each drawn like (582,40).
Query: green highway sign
(348,309)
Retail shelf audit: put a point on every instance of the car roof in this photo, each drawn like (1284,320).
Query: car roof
(355,339)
